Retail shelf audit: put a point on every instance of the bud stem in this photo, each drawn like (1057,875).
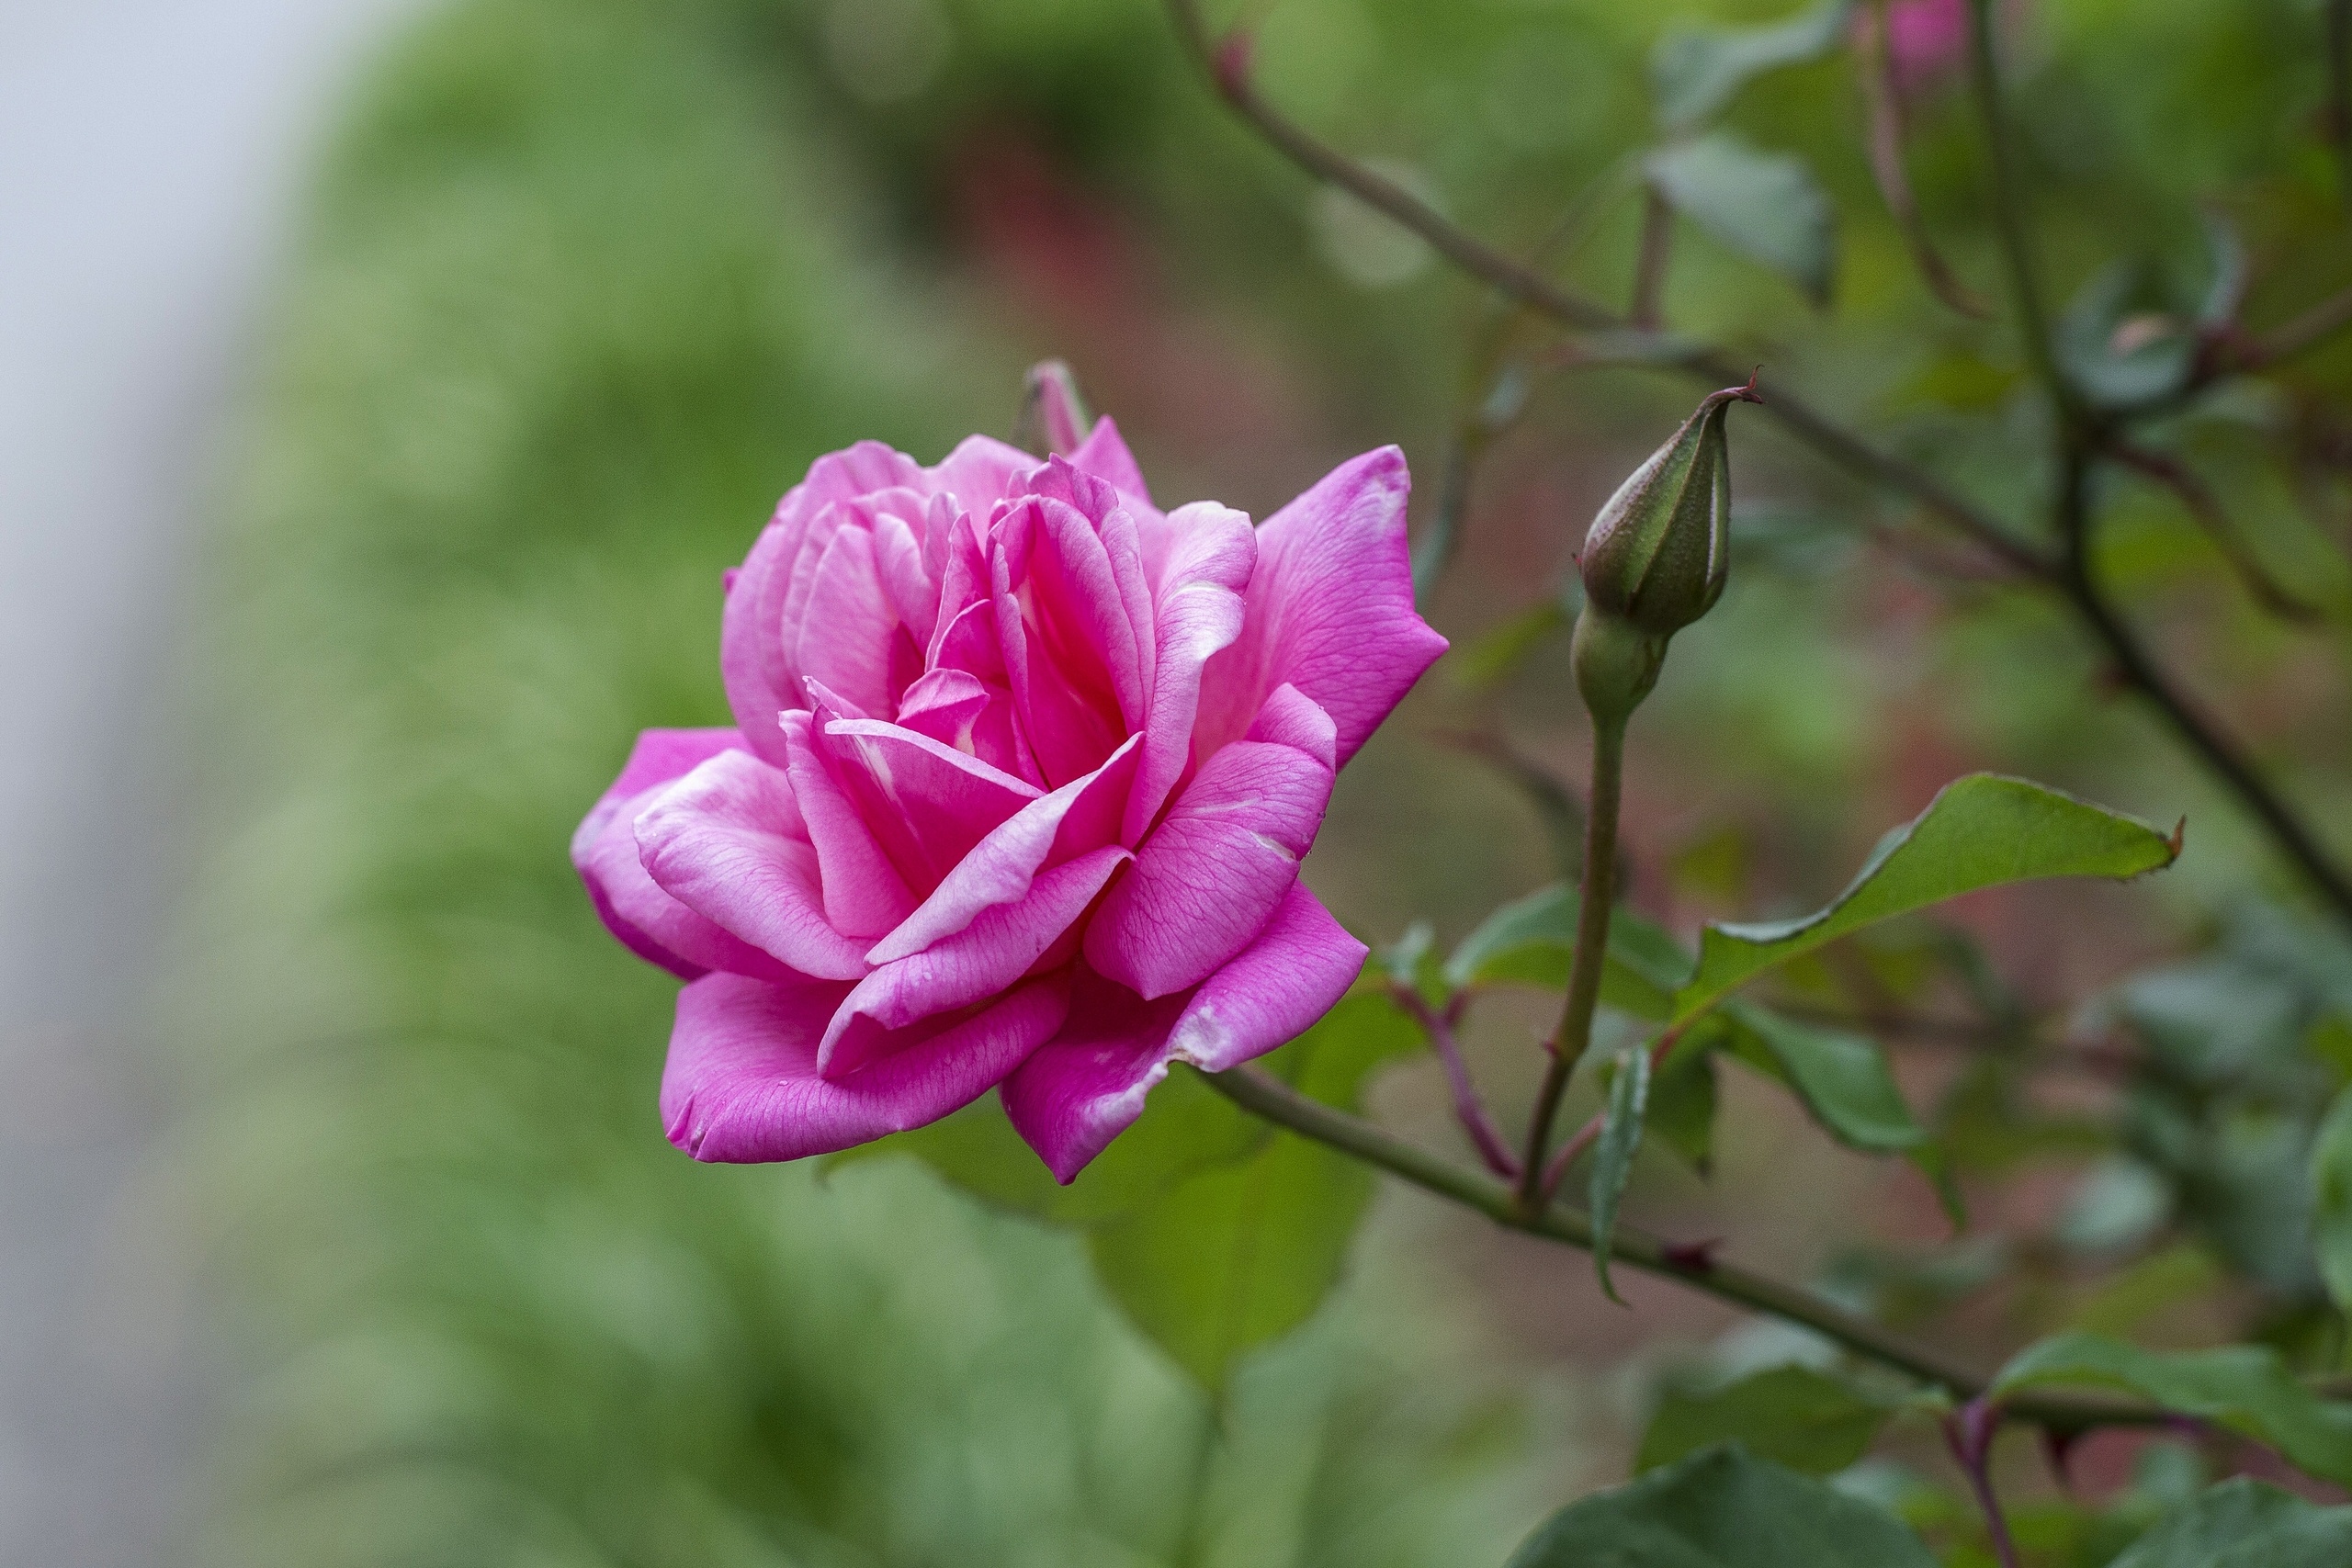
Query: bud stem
(1575,1031)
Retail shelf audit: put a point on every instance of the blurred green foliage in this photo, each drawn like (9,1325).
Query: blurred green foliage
(585,284)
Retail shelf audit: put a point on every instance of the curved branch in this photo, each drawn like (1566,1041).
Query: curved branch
(1226,65)
(1264,1095)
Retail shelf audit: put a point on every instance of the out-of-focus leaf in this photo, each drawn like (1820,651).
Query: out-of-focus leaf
(2244,1524)
(1982,831)
(2332,1200)
(1186,1127)
(1695,71)
(1797,1417)
(1723,1508)
(1765,206)
(2120,1203)
(2151,1285)
(2242,1387)
(1682,1106)
(1842,1078)
(1494,658)
(1236,1255)
(1531,942)
(2116,356)
(1613,1157)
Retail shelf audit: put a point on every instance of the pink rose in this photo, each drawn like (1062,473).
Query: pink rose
(1025,772)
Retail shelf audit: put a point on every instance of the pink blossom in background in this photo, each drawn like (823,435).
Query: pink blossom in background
(1024,773)
(1925,39)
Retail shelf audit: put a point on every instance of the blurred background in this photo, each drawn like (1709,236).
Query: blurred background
(387,383)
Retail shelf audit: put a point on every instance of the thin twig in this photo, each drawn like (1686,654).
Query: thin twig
(2300,334)
(1650,266)
(1468,1108)
(2201,736)
(2206,509)
(1969,1430)
(1227,66)
(1264,1095)
(1589,1133)
(2008,208)
(1883,99)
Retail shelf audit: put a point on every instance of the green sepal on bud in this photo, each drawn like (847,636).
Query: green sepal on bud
(1054,419)
(1658,551)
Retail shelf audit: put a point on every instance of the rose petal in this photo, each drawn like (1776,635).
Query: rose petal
(864,895)
(742,1082)
(1331,609)
(1001,945)
(1197,611)
(1213,870)
(926,803)
(1081,816)
(1087,1085)
(1105,456)
(727,842)
(610,870)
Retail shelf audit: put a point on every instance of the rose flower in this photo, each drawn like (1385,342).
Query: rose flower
(1025,770)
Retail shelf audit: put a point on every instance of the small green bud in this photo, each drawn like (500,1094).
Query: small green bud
(1616,663)
(1656,552)
(1053,413)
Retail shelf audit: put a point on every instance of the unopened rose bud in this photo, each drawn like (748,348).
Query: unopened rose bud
(1657,553)
(1054,421)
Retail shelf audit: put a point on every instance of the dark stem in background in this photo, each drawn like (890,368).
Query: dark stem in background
(2206,509)
(1264,1095)
(1468,1108)
(1574,1032)
(2075,523)
(1969,1430)
(1649,268)
(1881,94)
(2009,217)
(1228,65)
(2339,91)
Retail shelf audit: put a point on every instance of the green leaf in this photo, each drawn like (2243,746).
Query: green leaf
(1613,1157)
(1531,942)
(2244,1524)
(1494,658)
(1792,1415)
(1682,1106)
(1231,1258)
(1842,1078)
(1723,1508)
(2242,1387)
(1765,206)
(1186,1127)
(2332,1200)
(1982,831)
(1696,71)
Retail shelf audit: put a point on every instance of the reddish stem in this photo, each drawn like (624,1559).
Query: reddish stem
(1493,1148)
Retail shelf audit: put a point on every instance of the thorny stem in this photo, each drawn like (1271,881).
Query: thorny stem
(1227,66)
(1467,1107)
(1575,1030)
(1969,1431)
(1264,1095)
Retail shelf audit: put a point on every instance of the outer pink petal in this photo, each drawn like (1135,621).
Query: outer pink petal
(759,626)
(980,472)
(1001,945)
(659,756)
(727,842)
(850,637)
(1087,1085)
(864,895)
(1197,611)
(1213,872)
(1331,609)
(742,1084)
(1105,456)
(1081,816)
